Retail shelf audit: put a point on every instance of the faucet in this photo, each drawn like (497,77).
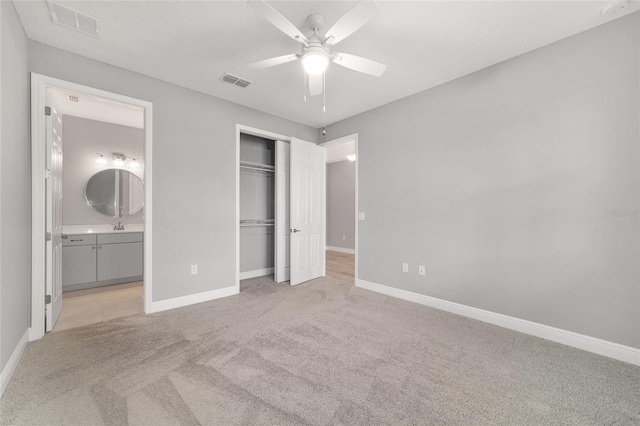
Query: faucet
(118,227)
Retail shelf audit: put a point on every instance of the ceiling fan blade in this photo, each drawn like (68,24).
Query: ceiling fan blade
(315,84)
(352,21)
(360,64)
(280,22)
(272,62)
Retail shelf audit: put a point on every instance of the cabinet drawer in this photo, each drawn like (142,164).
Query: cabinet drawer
(130,237)
(78,265)
(79,240)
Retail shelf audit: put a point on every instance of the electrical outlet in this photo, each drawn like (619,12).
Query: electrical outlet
(405,267)
(422,270)
(361,216)
(194,269)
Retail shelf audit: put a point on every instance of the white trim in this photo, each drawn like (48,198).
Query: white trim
(191,299)
(341,249)
(569,338)
(240,128)
(256,273)
(10,367)
(39,84)
(340,141)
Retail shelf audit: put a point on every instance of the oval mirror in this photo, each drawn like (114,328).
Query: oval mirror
(115,192)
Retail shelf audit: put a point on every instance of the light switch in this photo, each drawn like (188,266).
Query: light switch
(360,215)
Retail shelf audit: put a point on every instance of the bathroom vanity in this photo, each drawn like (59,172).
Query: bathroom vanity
(95,256)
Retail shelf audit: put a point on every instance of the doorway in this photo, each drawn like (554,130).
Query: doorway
(103,238)
(342,199)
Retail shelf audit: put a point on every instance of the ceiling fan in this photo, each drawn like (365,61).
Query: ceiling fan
(316,53)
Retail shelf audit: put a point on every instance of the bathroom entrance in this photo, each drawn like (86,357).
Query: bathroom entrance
(90,147)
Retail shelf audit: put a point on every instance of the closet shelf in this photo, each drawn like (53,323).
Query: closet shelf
(251,223)
(246,165)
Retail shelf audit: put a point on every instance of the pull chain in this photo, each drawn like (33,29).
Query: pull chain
(304,85)
(324,103)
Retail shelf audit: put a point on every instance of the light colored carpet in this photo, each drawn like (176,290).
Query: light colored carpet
(323,352)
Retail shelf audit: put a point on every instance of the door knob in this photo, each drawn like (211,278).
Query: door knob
(293,231)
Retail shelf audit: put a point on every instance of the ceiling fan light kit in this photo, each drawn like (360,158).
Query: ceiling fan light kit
(315,60)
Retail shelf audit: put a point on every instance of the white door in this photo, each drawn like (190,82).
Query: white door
(308,198)
(282,222)
(53,273)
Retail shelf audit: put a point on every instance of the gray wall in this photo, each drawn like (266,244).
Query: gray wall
(194,169)
(500,183)
(82,139)
(341,204)
(15,184)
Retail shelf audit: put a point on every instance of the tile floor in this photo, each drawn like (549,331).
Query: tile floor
(82,307)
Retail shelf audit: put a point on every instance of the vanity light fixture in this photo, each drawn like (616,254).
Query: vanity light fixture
(118,159)
(101,159)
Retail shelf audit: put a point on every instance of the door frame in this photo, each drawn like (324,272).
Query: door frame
(339,141)
(39,84)
(240,128)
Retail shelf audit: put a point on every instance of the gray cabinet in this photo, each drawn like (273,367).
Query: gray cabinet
(103,259)
(78,264)
(121,260)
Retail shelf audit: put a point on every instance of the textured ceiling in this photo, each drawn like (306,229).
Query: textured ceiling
(424,44)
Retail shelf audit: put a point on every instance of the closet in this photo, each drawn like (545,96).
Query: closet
(257,206)
(281,197)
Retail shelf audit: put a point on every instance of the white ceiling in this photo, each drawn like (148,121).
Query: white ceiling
(99,109)
(424,44)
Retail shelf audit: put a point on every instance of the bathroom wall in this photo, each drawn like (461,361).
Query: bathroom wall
(82,140)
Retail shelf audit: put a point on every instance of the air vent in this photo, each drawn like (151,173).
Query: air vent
(73,98)
(236,81)
(72,19)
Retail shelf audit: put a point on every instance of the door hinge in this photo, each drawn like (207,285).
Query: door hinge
(47,110)
(47,173)
(47,299)
(47,236)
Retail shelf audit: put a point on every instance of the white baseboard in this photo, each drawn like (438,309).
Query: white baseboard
(256,273)
(192,299)
(569,338)
(341,249)
(10,368)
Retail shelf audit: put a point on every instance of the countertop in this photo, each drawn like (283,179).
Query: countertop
(100,229)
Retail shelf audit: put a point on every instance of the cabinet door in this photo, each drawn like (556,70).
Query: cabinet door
(78,265)
(119,261)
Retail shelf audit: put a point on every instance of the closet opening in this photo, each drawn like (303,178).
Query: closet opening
(280,209)
(257,206)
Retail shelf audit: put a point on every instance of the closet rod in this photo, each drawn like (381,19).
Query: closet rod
(258,169)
